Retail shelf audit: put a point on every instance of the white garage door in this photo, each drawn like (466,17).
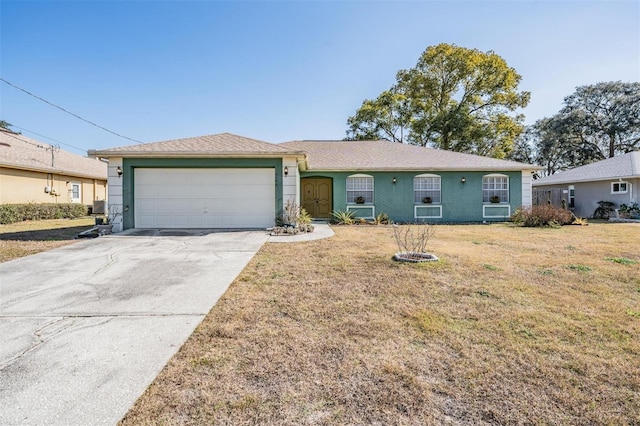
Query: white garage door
(204,198)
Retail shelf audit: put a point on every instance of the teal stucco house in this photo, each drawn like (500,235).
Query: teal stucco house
(230,181)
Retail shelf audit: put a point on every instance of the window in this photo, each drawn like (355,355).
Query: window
(572,196)
(74,192)
(495,189)
(360,189)
(426,189)
(619,187)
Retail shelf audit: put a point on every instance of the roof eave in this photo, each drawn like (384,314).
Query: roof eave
(423,169)
(174,154)
(53,170)
(603,179)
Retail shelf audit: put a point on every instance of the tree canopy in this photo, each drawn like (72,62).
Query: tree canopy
(596,122)
(455,98)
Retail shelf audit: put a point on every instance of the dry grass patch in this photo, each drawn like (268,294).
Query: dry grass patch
(24,238)
(335,332)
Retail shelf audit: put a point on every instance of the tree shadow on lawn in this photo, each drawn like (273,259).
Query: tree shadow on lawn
(58,234)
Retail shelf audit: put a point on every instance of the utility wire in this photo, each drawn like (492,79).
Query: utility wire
(69,112)
(51,139)
(11,135)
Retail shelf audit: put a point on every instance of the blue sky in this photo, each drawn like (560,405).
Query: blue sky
(278,71)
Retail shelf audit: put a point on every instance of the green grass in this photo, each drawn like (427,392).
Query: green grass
(622,260)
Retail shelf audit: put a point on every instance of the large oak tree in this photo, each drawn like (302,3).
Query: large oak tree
(455,98)
(597,121)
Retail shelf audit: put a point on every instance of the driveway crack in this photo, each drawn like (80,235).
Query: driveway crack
(47,332)
(39,338)
(110,260)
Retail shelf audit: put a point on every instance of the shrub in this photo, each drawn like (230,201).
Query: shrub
(413,239)
(343,217)
(293,214)
(631,210)
(542,215)
(11,213)
(604,210)
(382,219)
(304,218)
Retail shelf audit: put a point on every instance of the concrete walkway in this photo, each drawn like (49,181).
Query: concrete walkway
(84,329)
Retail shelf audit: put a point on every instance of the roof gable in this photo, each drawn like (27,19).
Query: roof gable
(621,166)
(20,152)
(222,144)
(386,155)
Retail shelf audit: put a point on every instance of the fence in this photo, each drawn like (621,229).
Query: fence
(553,196)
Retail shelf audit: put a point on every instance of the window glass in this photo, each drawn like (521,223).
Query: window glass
(360,189)
(426,189)
(619,188)
(495,186)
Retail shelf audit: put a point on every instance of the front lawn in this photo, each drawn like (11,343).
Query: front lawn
(512,326)
(33,236)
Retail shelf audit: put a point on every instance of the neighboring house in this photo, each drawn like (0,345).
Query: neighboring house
(615,179)
(32,172)
(231,181)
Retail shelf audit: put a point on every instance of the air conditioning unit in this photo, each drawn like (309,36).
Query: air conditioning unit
(99,207)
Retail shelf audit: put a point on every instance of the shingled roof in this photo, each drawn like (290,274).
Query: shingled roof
(389,156)
(20,152)
(222,144)
(622,166)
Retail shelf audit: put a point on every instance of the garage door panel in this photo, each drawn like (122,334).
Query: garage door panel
(204,198)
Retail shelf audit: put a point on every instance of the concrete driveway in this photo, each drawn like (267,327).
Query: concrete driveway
(84,329)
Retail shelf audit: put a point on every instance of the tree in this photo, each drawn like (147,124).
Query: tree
(596,122)
(7,126)
(604,118)
(455,98)
(386,117)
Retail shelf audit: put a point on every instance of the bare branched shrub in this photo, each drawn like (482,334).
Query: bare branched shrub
(413,238)
(291,212)
(542,215)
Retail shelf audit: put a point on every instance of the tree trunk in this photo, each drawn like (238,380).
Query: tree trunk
(612,145)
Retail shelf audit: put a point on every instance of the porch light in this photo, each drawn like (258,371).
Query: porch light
(394,180)
(119,171)
(463,180)
(286,171)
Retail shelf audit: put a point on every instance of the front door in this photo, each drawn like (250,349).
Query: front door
(317,196)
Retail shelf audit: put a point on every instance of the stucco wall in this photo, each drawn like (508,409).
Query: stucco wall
(461,202)
(23,186)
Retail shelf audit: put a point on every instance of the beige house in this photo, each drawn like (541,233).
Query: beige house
(34,172)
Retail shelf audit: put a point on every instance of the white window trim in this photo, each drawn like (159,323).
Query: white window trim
(427,175)
(361,207)
(373,189)
(430,206)
(626,186)
(75,200)
(486,208)
(572,196)
(493,175)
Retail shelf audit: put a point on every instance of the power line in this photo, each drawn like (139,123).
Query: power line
(52,139)
(69,112)
(11,135)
